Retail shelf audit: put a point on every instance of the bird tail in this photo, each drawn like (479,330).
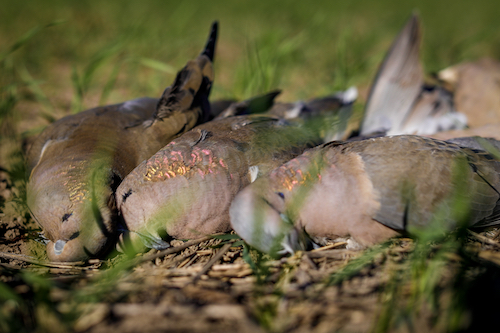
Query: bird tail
(254,105)
(191,86)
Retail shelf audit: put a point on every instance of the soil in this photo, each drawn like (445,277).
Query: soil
(217,285)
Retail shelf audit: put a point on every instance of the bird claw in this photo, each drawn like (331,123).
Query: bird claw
(353,245)
(132,241)
(296,240)
(154,242)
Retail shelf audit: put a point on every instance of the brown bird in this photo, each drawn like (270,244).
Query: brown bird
(76,164)
(316,107)
(476,90)
(489,145)
(337,106)
(186,188)
(399,101)
(476,93)
(332,113)
(182,204)
(370,190)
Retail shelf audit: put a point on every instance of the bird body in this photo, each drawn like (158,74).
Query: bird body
(335,109)
(186,188)
(76,164)
(476,90)
(370,190)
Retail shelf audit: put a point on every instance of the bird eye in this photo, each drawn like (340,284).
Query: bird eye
(66,217)
(281,195)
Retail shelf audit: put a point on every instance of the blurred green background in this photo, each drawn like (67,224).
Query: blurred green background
(62,56)
(306,48)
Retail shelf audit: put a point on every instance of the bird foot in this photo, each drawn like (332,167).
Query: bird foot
(131,241)
(353,245)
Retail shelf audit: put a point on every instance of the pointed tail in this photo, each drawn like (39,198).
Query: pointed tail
(254,105)
(192,85)
(209,49)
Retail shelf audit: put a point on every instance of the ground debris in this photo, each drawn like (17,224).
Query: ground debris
(209,285)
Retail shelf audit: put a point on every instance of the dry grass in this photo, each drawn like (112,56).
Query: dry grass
(219,284)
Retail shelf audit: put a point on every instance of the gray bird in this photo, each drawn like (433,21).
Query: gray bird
(335,108)
(186,188)
(370,190)
(161,199)
(476,90)
(476,93)
(400,102)
(254,105)
(76,164)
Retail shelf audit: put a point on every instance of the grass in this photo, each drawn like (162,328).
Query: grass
(317,46)
(59,57)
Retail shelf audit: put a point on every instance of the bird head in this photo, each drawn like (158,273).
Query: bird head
(260,216)
(77,218)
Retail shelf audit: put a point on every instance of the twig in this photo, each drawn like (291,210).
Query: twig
(483,239)
(22,257)
(171,250)
(33,261)
(333,254)
(309,261)
(328,247)
(177,259)
(188,261)
(211,262)
(10,267)
(75,264)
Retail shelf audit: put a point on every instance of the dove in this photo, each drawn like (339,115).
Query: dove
(476,93)
(318,106)
(185,189)
(246,140)
(370,190)
(476,90)
(77,163)
(332,112)
(169,201)
(400,102)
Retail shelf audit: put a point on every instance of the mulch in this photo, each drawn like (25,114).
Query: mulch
(220,285)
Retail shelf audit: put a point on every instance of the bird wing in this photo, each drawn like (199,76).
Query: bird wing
(397,84)
(426,178)
(192,84)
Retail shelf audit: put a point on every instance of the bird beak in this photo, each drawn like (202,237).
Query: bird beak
(59,246)
(296,240)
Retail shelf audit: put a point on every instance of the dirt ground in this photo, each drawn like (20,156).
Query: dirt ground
(216,285)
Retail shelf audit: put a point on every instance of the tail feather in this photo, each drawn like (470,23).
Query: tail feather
(209,49)
(192,84)
(255,105)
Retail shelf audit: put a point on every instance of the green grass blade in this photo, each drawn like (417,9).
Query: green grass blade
(24,39)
